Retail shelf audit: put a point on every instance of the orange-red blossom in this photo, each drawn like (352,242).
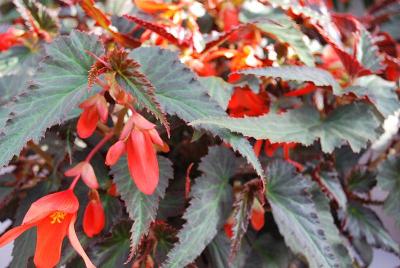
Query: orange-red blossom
(137,139)
(54,216)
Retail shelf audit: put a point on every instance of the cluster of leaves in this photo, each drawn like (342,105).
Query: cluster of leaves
(222,80)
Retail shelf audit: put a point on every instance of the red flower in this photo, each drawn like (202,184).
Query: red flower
(257,215)
(94,108)
(85,170)
(137,139)
(94,217)
(54,216)
(9,38)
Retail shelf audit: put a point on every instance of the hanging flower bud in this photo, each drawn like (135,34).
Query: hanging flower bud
(94,108)
(257,215)
(85,170)
(94,217)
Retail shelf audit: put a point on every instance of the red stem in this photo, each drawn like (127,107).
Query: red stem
(91,154)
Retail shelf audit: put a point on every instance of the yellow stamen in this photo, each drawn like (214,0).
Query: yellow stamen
(57,217)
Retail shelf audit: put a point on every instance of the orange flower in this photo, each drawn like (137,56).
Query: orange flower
(85,170)
(54,216)
(150,6)
(94,217)
(257,215)
(9,38)
(94,108)
(137,139)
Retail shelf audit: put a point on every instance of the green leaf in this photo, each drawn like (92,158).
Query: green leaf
(280,25)
(354,123)
(361,181)
(211,198)
(389,180)
(218,89)
(363,223)
(305,223)
(180,93)
(14,59)
(269,252)
(379,91)
(367,52)
(142,208)
(113,251)
(36,13)
(59,86)
(318,76)
(332,183)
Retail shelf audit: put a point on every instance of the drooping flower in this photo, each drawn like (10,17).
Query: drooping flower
(85,170)
(94,108)
(137,139)
(94,217)
(54,216)
(257,215)
(9,39)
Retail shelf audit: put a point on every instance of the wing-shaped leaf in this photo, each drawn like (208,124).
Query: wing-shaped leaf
(332,183)
(210,195)
(354,123)
(59,85)
(180,93)
(389,180)
(379,91)
(281,26)
(363,223)
(218,89)
(305,223)
(113,250)
(318,76)
(367,52)
(142,208)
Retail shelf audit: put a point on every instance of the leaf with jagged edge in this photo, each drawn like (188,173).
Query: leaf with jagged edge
(218,89)
(113,251)
(367,52)
(180,93)
(142,208)
(13,60)
(331,182)
(380,92)
(210,197)
(241,217)
(35,12)
(279,25)
(389,180)
(354,123)
(318,76)
(363,223)
(305,222)
(58,87)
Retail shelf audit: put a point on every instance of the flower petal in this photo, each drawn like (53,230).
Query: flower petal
(257,215)
(155,138)
(142,162)
(115,152)
(141,122)
(89,177)
(64,201)
(87,122)
(93,218)
(49,241)
(77,245)
(14,233)
(75,171)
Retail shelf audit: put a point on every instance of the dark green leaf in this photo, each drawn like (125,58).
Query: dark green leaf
(354,123)
(379,91)
(367,52)
(304,221)
(211,198)
(59,86)
(218,89)
(180,93)
(318,76)
(389,180)
(331,182)
(363,223)
(280,25)
(142,208)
